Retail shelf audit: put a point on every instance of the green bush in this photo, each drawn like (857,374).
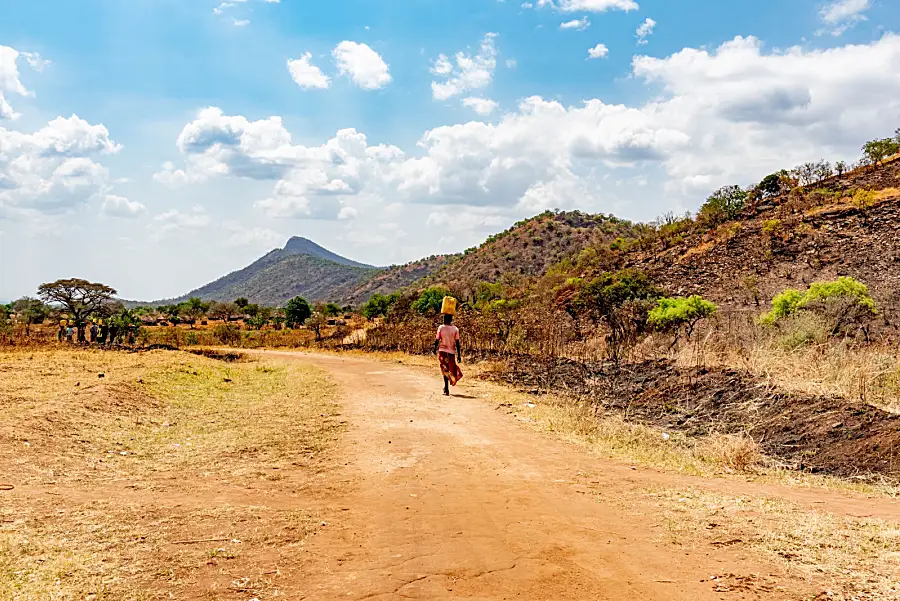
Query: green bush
(379,305)
(677,314)
(843,301)
(784,305)
(430,300)
(227,334)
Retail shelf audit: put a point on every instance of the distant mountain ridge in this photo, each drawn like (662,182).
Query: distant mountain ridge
(301,268)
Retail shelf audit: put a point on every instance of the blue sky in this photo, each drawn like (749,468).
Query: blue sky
(409,128)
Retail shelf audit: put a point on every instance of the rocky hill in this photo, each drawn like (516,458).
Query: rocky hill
(531,247)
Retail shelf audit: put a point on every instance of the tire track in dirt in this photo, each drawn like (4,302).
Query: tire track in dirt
(448,500)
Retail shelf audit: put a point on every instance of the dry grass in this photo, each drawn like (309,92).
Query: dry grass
(857,559)
(867,374)
(611,436)
(111,473)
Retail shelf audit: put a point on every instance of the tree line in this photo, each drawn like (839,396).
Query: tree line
(79,303)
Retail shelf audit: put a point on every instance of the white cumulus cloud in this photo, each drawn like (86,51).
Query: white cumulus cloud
(469,73)
(844,14)
(482,106)
(119,206)
(726,115)
(9,81)
(598,51)
(362,65)
(307,75)
(597,6)
(51,170)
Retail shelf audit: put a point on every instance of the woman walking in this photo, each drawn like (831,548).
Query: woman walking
(446,346)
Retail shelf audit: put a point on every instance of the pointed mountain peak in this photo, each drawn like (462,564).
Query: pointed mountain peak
(304,246)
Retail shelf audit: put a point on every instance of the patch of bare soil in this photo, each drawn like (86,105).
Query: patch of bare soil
(825,434)
(160,475)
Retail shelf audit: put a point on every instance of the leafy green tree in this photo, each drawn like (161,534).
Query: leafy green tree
(430,300)
(194,309)
(487,292)
(774,184)
(723,205)
(241,302)
(503,314)
(296,312)
(80,298)
(279,319)
(379,305)
(259,321)
(620,301)
(223,311)
(30,311)
(875,151)
(841,168)
(331,309)
(401,309)
(676,315)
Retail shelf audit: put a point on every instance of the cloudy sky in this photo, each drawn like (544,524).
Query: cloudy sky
(155,145)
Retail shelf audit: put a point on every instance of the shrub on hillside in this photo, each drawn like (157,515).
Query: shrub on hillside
(676,315)
(722,205)
(775,184)
(843,302)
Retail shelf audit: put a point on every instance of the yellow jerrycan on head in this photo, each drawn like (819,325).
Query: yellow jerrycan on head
(448,307)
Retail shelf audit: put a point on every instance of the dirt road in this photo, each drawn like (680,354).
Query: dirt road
(450,498)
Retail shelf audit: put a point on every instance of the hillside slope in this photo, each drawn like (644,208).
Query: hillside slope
(395,278)
(531,247)
(790,242)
